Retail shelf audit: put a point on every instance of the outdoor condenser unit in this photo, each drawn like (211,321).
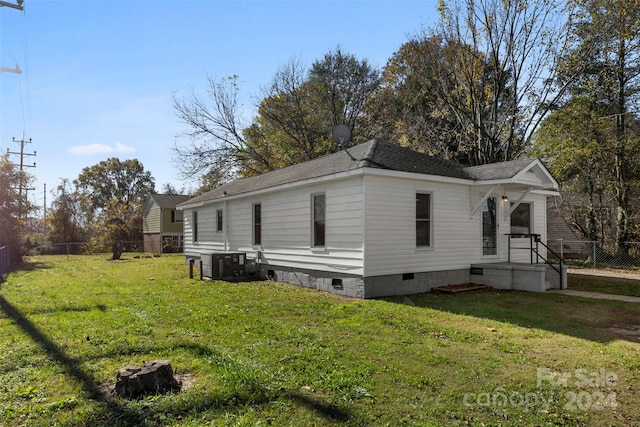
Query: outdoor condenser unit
(227,264)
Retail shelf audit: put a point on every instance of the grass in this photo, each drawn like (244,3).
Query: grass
(607,285)
(273,354)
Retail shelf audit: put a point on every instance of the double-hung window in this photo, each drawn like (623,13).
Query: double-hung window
(194,226)
(423,219)
(318,219)
(257,224)
(219,220)
(176,216)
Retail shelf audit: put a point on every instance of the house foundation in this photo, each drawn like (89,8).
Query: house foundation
(506,276)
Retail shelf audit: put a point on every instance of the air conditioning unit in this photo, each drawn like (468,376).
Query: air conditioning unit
(227,264)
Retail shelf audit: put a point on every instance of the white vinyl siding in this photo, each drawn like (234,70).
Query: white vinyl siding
(383,205)
(286,227)
(390,247)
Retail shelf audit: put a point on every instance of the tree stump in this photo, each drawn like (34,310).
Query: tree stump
(154,377)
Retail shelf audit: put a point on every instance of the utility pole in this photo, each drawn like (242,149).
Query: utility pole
(22,154)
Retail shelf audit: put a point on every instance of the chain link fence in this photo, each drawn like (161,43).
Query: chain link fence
(593,254)
(85,248)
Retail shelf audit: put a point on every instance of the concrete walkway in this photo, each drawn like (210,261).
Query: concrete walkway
(596,295)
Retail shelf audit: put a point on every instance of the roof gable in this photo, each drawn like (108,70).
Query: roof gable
(526,172)
(168,201)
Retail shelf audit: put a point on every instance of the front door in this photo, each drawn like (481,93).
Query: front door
(489,227)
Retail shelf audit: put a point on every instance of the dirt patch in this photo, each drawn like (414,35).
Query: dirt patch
(455,289)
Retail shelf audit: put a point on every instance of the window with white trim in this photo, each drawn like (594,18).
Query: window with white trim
(521,219)
(194,226)
(318,212)
(423,219)
(219,219)
(257,224)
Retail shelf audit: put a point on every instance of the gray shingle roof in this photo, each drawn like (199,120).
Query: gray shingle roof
(502,170)
(371,154)
(166,201)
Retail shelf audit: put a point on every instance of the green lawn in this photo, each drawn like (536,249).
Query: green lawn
(607,285)
(274,354)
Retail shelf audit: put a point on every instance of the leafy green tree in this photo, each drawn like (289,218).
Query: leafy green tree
(575,145)
(606,37)
(300,109)
(9,212)
(65,220)
(13,208)
(113,194)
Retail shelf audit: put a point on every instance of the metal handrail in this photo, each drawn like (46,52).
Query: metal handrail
(538,240)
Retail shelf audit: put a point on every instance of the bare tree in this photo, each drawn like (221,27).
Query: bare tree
(293,122)
(214,130)
(504,55)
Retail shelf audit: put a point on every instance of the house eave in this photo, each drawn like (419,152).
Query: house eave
(276,188)
(414,176)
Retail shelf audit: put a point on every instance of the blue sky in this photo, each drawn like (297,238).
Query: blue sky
(98,76)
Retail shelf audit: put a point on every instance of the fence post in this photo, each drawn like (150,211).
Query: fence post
(594,254)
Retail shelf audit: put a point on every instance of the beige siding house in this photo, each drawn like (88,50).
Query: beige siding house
(162,223)
(378,220)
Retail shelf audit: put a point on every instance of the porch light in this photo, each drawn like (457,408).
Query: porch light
(505,199)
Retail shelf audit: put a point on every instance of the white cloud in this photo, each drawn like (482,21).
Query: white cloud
(121,148)
(90,149)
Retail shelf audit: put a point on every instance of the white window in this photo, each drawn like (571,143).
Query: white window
(177,241)
(219,220)
(257,224)
(194,226)
(318,212)
(423,219)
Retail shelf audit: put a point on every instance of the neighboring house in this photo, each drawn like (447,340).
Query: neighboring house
(375,220)
(162,223)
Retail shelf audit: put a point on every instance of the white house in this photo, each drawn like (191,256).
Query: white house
(376,220)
